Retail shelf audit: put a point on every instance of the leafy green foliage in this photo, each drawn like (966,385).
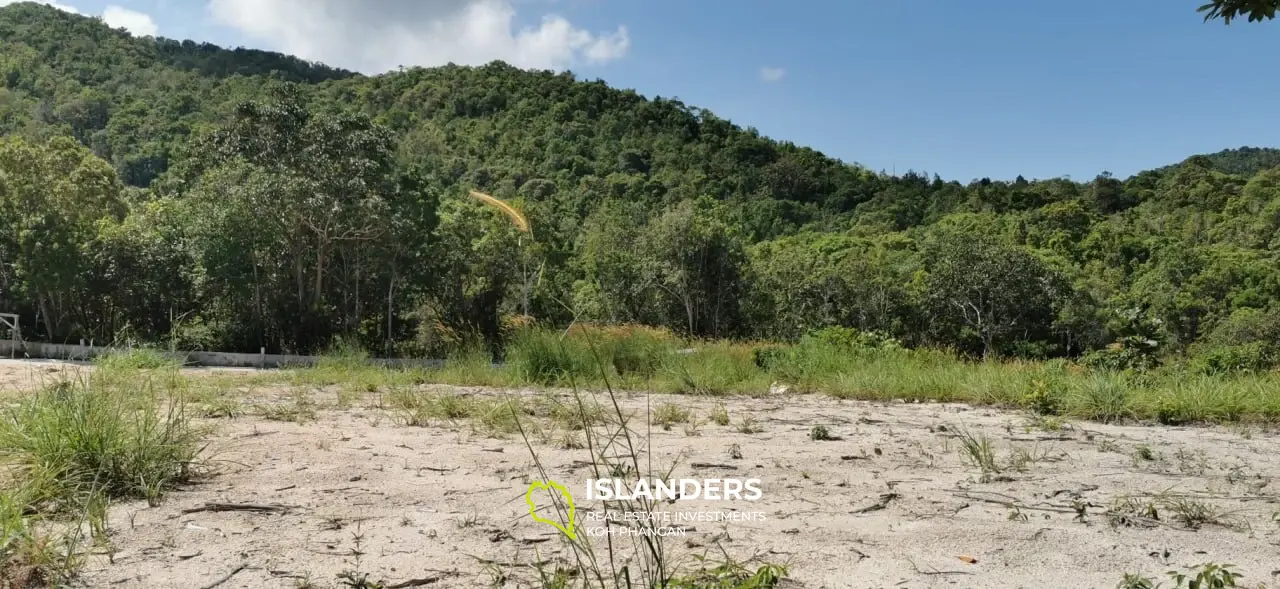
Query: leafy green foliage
(1227,10)
(1207,576)
(198,197)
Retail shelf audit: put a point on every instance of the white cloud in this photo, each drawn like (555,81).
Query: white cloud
(374,36)
(138,23)
(772,74)
(62,7)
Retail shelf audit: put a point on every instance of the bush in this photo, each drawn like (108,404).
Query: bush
(634,351)
(823,355)
(542,356)
(1224,359)
(852,339)
(765,355)
(1042,399)
(78,444)
(625,352)
(1121,357)
(136,359)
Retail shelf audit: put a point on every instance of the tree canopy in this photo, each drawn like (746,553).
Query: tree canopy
(235,199)
(1228,10)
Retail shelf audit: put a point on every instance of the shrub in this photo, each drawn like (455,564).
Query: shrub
(542,356)
(1223,359)
(823,355)
(136,359)
(1123,356)
(853,339)
(633,351)
(1041,398)
(764,356)
(79,442)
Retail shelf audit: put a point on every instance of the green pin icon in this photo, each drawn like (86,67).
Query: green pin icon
(568,499)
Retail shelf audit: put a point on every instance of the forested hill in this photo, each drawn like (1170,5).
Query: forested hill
(236,199)
(1245,161)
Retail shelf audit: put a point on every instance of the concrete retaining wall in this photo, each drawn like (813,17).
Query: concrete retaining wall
(19,349)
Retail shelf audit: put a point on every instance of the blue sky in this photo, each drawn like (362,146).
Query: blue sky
(963,89)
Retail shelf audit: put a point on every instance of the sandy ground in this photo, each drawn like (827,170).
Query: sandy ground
(891,503)
(23,375)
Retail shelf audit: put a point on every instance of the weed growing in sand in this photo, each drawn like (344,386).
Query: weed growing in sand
(616,451)
(732,575)
(469,520)
(1207,576)
(1109,445)
(222,407)
(1020,459)
(979,451)
(73,447)
(572,441)
(305,582)
(1196,514)
(1047,423)
(353,578)
(72,440)
(871,369)
(1131,512)
(298,409)
(819,433)
(735,451)
(668,414)
(749,425)
(1183,511)
(719,415)
(29,558)
(1136,581)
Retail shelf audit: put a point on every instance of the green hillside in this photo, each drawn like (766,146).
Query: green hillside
(237,199)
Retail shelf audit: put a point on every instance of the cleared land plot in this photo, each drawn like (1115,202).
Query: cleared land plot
(894,497)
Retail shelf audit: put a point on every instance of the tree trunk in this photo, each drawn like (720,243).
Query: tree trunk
(688,311)
(321,258)
(50,325)
(391,285)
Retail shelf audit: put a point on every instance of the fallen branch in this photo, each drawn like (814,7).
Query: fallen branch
(712,465)
(1015,504)
(226,577)
(936,571)
(239,507)
(882,503)
(415,582)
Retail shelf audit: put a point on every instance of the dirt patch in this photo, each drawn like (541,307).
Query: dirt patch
(887,495)
(21,375)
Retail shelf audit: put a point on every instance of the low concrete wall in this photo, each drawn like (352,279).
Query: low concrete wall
(19,349)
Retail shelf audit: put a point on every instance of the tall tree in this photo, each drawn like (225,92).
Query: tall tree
(697,262)
(998,293)
(52,197)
